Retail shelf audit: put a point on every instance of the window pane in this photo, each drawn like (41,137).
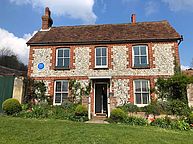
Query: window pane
(65,86)
(66,53)
(98,61)
(145,98)
(104,51)
(60,53)
(143,60)
(136,50)
(137,86)
(58,86)
(57,98)
(98,51)
(64,96)
(66,62)
(136,60)
(143,50)
(104,61)
(60,62)
(138,98)
(144,86)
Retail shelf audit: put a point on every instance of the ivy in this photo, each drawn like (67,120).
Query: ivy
(77,91)
(174,87)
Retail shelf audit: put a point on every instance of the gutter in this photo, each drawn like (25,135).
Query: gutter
(104,42)
(180,40)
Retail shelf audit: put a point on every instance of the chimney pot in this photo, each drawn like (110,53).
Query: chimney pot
(133,18)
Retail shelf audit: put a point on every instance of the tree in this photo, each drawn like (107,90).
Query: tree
(10,60)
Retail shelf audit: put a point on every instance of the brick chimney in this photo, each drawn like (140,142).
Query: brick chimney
(133,18)
(46,19)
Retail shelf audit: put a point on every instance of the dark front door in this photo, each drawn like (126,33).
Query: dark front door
(100,98)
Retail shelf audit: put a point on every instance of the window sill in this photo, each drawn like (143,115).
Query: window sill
(61,68)
(141,67)
(101,68)
(141,105)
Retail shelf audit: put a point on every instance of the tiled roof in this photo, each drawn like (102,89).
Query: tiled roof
(140,31)
(4,71)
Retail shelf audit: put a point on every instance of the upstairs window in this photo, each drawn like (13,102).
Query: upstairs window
(101,57)
(140,56)
(61,92)
(63,58)
(141,92)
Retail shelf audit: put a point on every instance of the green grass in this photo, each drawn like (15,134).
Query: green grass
(27,131)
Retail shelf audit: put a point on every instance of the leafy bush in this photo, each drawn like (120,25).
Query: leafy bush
(118,115)
(81,110)
(162,122)
(179,108)
(190,118)
(11,106)
(152,108)
(171,124)
(69,106)
(136,121)
(129,108)
(173,88)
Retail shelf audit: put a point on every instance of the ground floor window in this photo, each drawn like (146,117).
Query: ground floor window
(141,92)
(61,91)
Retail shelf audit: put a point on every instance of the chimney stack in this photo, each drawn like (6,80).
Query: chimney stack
(46,19)
(133,18)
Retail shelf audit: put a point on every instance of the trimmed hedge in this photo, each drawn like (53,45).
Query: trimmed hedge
(11,106)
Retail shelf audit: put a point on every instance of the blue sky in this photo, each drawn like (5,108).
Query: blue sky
(20,19)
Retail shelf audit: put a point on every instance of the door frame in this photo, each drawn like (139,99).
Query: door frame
(94,94)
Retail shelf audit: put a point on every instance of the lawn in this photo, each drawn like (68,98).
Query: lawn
(27,131)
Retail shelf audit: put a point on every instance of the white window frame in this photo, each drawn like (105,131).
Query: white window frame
(62,57)
(102,66)
(148,82)
(133,54)
(54,103)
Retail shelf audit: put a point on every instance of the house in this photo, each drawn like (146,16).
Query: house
(122,61)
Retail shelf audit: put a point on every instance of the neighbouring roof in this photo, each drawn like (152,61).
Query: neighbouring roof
(106,33)
(4,71)
(188,72)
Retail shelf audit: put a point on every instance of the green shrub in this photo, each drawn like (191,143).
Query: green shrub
(163,107)
(190,118)
(118,115)
(81,110)
(162,122)
(129,108)
(131,120)
(69,106)
(179,108)
(11,106)
(152,108)
(171,124)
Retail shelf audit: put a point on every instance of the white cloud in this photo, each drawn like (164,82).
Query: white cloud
(184,67)
(177,5)
(17,45)
(77,9)
(151,7)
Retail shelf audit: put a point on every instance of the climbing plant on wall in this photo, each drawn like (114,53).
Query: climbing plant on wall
(77,90)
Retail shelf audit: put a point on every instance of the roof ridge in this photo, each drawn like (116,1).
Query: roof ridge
(92,25)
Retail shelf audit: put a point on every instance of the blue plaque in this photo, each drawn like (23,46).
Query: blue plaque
(41,66)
